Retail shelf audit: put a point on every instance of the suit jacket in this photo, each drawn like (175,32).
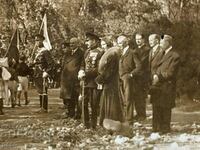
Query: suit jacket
(69,77)
(143,53)
(129,63)
(154,61)
(167,70)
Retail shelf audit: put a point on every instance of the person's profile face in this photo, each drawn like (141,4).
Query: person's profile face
(104,44)
(73,45)
(153,41)
(90,43)
(122,42)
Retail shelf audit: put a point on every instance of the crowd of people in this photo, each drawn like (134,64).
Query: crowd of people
(114,80)
(109,81)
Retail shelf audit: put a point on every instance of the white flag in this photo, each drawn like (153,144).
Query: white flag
(46,42)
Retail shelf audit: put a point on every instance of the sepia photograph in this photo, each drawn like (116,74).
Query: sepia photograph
(99,74)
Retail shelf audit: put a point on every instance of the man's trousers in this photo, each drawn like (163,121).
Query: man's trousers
(92,96)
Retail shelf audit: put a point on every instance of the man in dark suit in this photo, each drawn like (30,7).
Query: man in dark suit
(155,56)
(43,64)
(71,64)
(154,42)
(165,80)
(129,69)
(143,81)
(89,72)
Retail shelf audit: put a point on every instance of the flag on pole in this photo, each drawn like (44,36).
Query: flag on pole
(13,49)
(46,42)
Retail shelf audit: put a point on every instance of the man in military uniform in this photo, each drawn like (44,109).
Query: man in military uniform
(143,52)
(89,71)
(43,64)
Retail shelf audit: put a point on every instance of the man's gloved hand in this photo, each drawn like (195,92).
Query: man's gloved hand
(45,75)
(81,74)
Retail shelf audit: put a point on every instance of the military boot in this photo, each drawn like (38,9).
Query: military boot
(45,104)
(40,98)
(1,107)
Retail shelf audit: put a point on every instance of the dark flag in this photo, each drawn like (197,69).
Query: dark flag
(13,49)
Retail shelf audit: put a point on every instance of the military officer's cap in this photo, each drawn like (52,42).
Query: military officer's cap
(92,36)
(39,37)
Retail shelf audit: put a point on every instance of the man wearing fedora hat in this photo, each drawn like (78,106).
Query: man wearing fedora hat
(165,79)
(43,65)
(88,72)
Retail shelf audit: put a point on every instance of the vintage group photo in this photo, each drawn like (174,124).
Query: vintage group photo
(99,74)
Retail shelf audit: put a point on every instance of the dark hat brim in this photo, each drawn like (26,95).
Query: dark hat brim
(92,36)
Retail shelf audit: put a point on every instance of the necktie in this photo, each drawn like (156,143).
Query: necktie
(163,53)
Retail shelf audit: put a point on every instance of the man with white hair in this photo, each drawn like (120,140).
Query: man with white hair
(165,79)
(129,68)
(154,42)
(155,56)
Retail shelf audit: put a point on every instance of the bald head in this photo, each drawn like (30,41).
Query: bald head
(154,40)
(166,42)
(74,42)
(122,41)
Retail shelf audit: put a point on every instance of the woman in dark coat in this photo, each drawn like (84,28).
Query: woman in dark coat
(110,103)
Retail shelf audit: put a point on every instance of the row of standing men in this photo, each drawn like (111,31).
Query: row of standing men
(116,79)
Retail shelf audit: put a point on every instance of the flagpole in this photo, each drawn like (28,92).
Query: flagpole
(42,23)
(18,40)
(39,33)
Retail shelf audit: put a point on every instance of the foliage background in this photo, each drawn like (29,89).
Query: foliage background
(67,18)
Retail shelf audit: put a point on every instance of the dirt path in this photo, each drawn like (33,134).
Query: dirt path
(24,128)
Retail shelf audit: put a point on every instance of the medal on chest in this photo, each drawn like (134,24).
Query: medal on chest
(91,59)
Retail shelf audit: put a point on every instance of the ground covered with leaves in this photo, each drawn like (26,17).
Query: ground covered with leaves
(24,128)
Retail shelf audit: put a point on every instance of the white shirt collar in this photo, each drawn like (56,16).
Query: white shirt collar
(125,49)
(167,50)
